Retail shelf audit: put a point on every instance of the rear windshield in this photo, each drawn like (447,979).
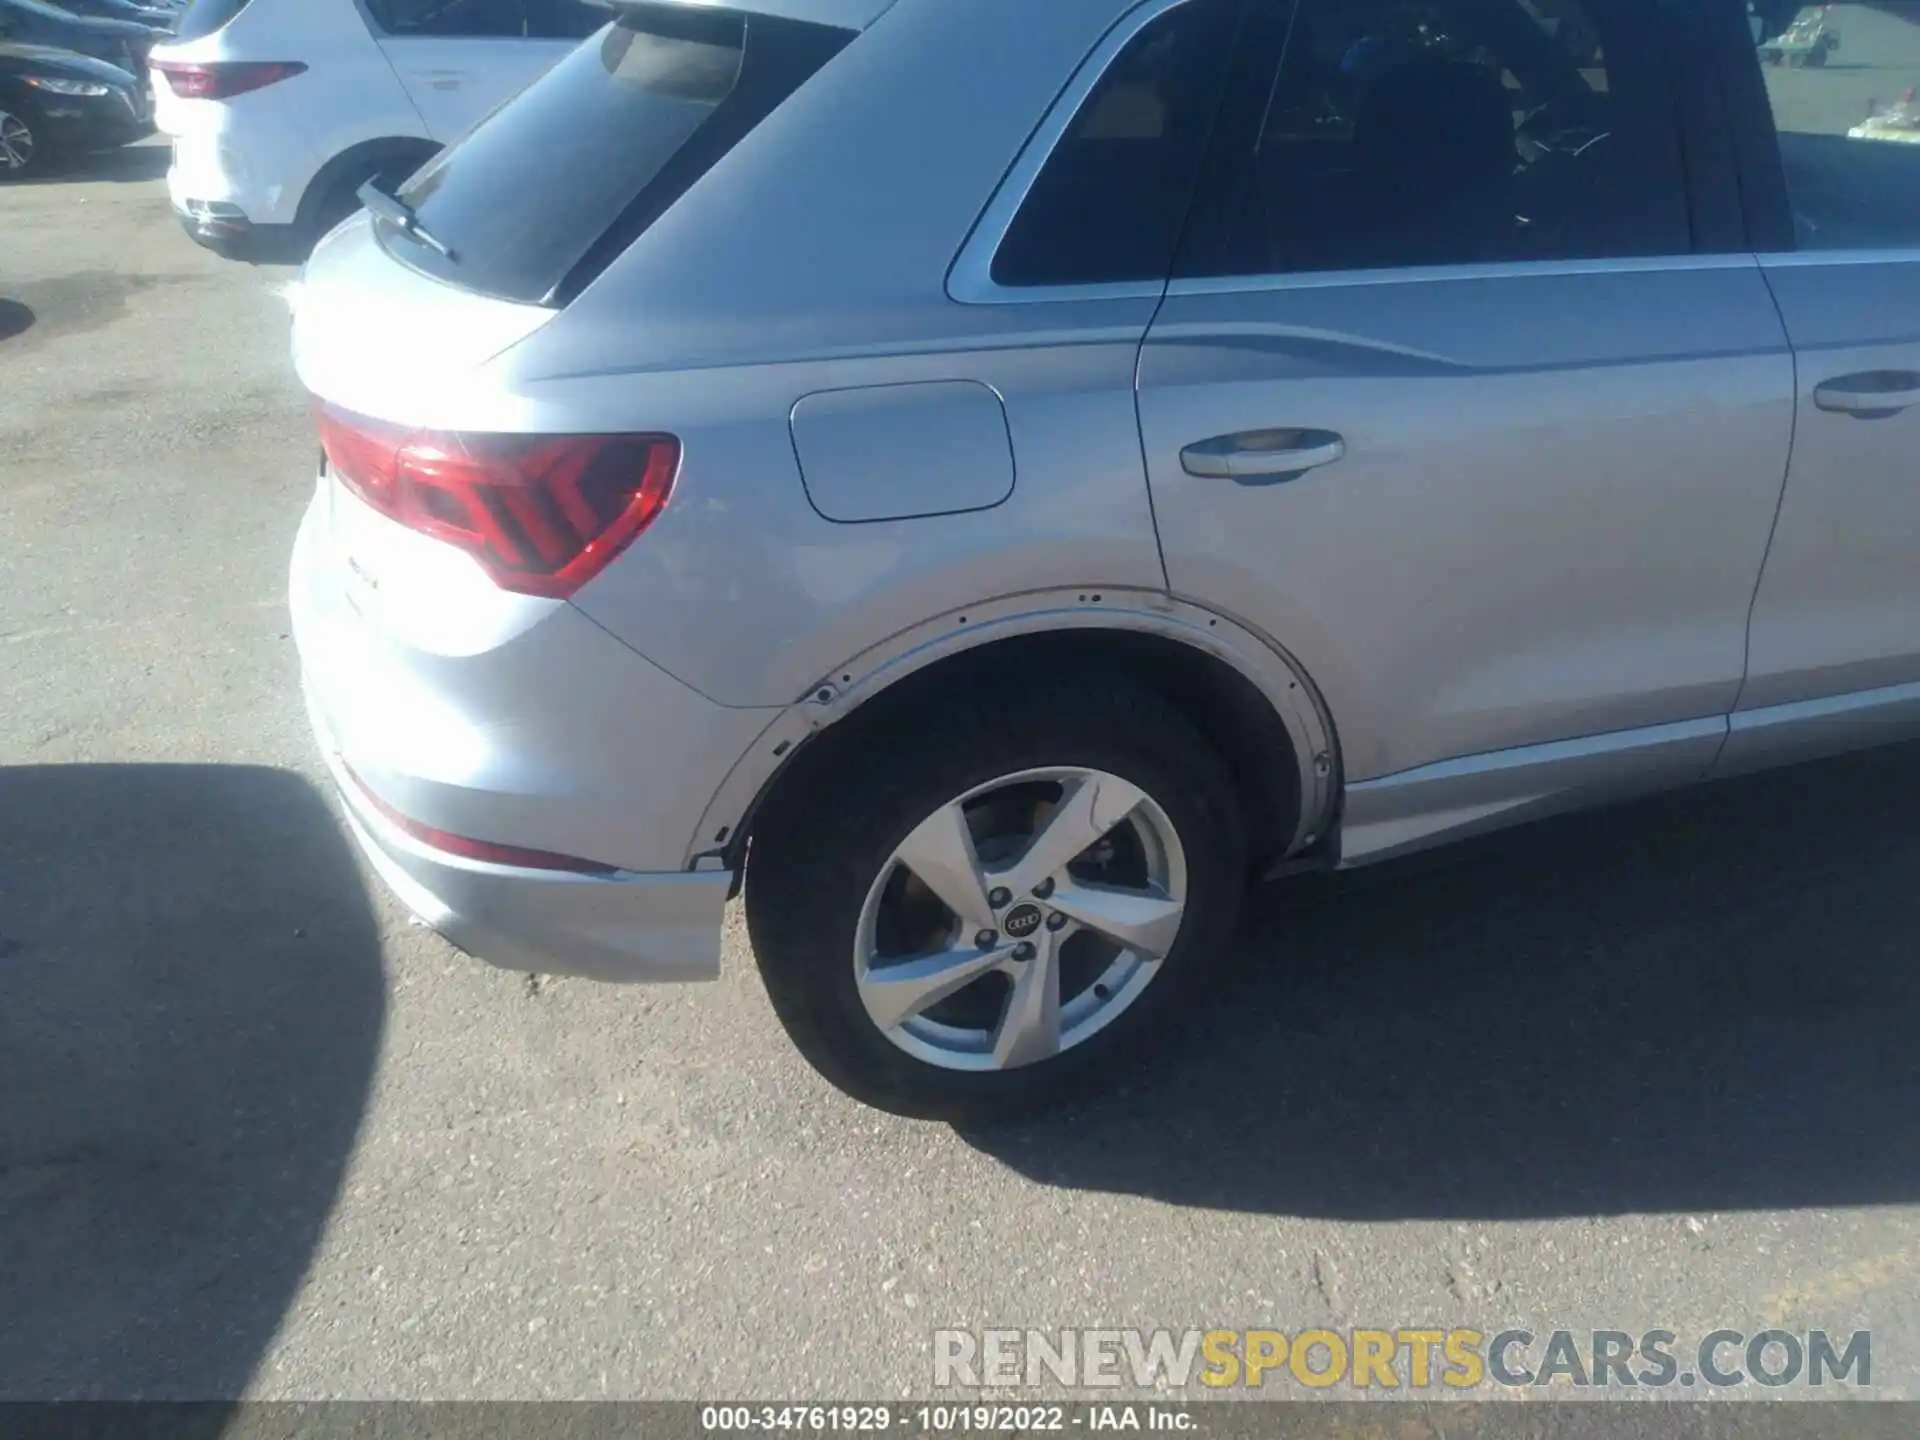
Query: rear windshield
(545,192)
(203,17)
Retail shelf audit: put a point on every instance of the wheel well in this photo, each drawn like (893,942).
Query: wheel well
(356,164)
(1220,702)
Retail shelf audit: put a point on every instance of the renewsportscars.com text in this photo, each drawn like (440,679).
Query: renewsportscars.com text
(1404,1358)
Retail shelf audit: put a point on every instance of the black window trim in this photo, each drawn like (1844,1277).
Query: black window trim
(1752,137)
(1716,241)
(970,278)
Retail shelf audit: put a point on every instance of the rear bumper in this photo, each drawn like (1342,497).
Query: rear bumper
(217,178)
(626,928)
(518,723)
(225,231)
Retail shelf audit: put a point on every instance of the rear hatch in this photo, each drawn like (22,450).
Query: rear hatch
(500,232)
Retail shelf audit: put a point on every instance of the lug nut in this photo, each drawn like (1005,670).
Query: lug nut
(999,897)
(986,939)
(1023,952)
(1056,921)
(1043,889)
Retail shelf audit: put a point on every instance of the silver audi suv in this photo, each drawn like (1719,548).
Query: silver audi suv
(996,479)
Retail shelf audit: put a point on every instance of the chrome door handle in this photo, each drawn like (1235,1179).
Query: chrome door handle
(1870,395)
(1263,456)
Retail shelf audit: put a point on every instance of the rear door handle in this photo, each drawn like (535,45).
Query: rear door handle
(1870,395)
(1263,456)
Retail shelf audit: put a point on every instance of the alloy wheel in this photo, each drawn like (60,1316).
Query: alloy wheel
(1020,919)
(16,142)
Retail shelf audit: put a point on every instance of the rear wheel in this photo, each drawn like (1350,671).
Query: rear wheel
(22,150)
(996,904)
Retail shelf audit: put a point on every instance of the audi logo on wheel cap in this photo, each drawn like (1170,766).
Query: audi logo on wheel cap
(1022,921)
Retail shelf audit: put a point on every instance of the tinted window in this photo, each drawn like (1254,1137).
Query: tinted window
(202,17)
(564,19)
(1109,203)
(1841,80)
(1401,133)
(451,18)
(543,194)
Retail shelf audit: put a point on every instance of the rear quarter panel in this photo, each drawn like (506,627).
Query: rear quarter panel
(815,258)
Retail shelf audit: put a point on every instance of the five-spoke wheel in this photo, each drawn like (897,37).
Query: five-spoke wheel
(1020,919)
(19,146)
(985,903)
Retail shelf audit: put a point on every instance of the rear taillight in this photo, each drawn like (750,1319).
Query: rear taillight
(543,514)
(223,79)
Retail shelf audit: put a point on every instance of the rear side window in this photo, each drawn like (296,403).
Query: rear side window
(541,196)
(202,17)
(489,19)
(495,19)
(563,19)
(1841,81)
(1455,132)
(1109,204)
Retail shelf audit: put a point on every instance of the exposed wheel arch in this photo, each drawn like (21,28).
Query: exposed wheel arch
(1240,690)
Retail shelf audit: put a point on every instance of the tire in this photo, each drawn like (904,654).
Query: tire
(24,151)
(1816,59)
(824,881)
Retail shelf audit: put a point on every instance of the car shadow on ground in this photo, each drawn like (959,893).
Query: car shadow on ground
(15,319)
(193,1008)
(1707,1002)
(132,164)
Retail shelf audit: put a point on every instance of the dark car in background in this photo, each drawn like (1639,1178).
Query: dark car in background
(143,12)
(124,43)
(55,104)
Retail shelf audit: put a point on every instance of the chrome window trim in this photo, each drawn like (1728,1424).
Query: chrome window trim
(1434,274)
(971,281)
(1883,255)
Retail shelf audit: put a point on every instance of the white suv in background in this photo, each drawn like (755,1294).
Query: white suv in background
(279,110)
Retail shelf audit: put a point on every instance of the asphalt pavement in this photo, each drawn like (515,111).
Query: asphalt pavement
(259,1134)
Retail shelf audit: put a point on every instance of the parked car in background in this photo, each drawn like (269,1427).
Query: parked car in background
(55,104)
(125,43)
(1898,122)
(996,478)
(280,110)
(160,16)
(1808,41)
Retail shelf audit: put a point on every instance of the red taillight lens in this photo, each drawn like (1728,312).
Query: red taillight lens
(223,79)
(484,850)
(543,514)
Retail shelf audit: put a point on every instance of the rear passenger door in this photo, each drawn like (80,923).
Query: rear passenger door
(1465,393)
(1836,623)
(460,59)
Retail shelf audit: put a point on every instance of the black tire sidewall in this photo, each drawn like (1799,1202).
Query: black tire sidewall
(816,857)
